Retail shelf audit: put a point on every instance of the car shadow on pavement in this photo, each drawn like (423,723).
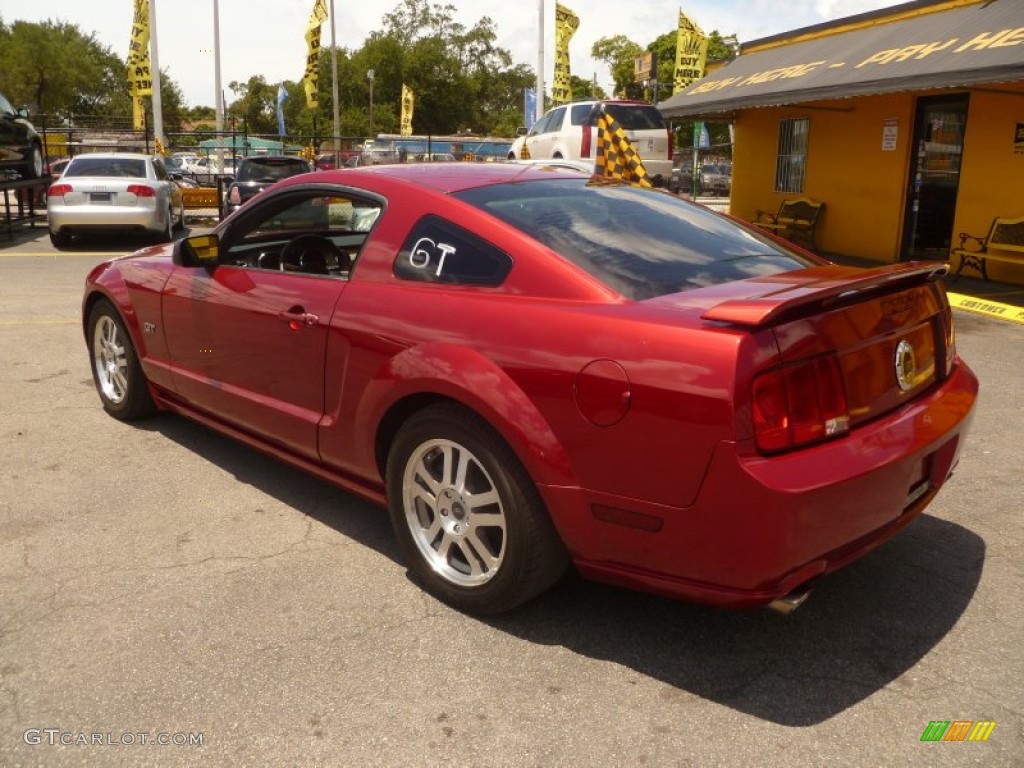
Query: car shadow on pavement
(862,628)
(346,513)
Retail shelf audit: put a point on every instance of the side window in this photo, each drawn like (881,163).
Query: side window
(541,125)
(160,170)
(438,251)
(555,123)
(791,161)
(313,232)
(579,113)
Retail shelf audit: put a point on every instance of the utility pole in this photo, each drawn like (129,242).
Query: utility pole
(334,90)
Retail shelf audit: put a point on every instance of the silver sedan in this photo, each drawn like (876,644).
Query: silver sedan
(114,192)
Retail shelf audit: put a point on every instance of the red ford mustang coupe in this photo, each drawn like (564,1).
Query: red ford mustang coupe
(531,368)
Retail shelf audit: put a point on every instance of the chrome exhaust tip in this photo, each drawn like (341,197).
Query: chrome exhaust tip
(789,603)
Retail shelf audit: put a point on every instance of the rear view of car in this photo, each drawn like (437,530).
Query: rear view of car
(255,174)
(107,192)
(570,132)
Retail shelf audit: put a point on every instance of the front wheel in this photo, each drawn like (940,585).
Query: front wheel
(466,514)
(115,366)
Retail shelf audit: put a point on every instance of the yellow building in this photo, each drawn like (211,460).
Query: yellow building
(908,123)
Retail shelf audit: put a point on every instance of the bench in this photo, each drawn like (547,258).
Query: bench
(1005,237)
(795,220)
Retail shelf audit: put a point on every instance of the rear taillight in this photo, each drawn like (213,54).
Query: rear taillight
(799,405)
(58,190)
(949,339)
(140,190)
(585,142)
(670,143)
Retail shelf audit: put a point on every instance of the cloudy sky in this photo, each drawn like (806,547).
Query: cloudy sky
(266,37)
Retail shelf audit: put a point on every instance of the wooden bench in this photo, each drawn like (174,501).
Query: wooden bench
(1005,237)
(795,220)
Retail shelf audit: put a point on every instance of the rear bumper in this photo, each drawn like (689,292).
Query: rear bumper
(761,527)
(87,217)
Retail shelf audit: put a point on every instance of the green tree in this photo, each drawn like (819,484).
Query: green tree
(619,54)
(55,67)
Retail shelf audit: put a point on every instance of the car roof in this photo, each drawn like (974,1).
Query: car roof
(122,155)
(448,177)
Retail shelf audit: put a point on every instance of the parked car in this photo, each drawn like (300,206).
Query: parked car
(21,148)
(569,132)
(530,369)
(716,179)
(207,170)
(254,174)
(118,192)
(57,167)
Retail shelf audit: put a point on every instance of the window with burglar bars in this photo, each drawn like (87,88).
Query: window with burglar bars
(791,164)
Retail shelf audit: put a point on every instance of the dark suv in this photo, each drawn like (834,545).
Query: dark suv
(256,173)
(21,149)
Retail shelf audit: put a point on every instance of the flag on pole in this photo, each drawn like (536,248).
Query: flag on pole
(408,103)
(312,73)
(616,158)
(691,53)
(529,107)
(282,94)
(140,78)
(566,24)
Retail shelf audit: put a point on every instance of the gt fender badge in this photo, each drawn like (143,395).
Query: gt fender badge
(906,366)
(149,328)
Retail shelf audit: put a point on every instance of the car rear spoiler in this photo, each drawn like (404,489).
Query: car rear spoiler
(820,288)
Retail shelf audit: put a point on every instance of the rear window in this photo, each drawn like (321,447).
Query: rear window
(123,167)
(636,117)
(642,243)
(270,169)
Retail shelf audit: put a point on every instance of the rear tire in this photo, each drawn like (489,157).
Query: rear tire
(468,518)
(60,239)
(167,234)
(34,168)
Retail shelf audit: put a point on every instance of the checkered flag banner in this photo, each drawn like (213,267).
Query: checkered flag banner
(616,158)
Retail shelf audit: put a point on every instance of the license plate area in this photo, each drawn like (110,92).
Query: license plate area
(100,197)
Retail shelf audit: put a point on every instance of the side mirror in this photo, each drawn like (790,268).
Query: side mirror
(521,130)
(197,251)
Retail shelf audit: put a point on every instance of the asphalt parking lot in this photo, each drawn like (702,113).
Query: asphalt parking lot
(160,583)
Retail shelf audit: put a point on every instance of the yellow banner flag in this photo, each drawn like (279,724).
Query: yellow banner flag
(566,24)
(616,157)
(140,79)
(312,73)
(408,102)
(691,53)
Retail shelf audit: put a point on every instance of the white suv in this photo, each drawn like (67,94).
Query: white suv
(568,132)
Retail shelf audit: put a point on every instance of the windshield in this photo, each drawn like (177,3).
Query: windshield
(642,243)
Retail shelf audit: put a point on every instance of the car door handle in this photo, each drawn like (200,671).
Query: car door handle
(296,317)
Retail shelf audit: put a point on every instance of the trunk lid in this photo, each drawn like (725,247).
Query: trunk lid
(890,327)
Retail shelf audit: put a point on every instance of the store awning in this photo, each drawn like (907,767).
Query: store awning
(969,45)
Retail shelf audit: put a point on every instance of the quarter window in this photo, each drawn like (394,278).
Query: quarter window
(791,162)
(438,251)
